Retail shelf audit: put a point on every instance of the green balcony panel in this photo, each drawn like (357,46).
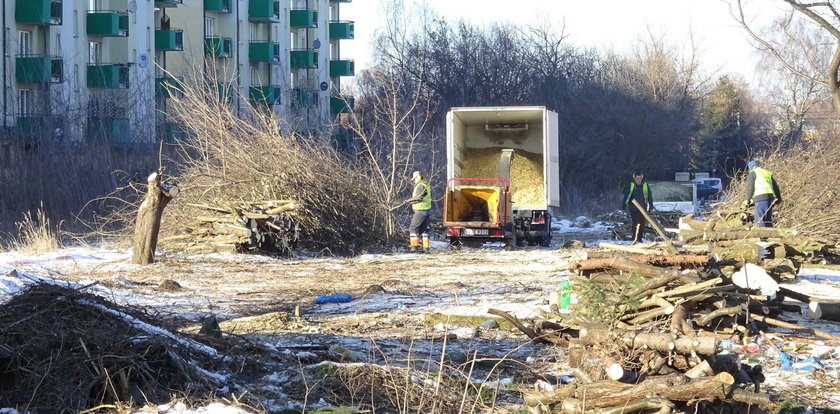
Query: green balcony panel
(172,40)
(107,23)
(264,52)
(38,11)
(226,92)
(264,11)
(303,58)
(108,76)
(216,46)
(303,18)
(32,128)
(39,69)
(168,3)
(167,86)
(342,67)
(304,97)
(342,29)
(219,6)
(341,105)
(265,94)
(113,130)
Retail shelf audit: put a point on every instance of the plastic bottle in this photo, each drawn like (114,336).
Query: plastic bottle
(565,294)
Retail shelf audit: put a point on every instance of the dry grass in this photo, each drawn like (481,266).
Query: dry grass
(35,235)
(805,174)
(232,158)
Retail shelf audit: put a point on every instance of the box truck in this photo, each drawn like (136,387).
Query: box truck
(502,175)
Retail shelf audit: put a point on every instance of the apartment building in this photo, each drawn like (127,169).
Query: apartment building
(100,69)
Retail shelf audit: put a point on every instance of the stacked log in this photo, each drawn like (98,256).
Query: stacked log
(267,226)
(669,317)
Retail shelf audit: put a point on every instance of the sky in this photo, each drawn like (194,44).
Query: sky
(617,24)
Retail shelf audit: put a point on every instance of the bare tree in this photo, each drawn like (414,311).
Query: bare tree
(801,55)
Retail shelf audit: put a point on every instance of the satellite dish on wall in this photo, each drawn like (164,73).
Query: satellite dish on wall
(316,44)
(144,60)
(132,6)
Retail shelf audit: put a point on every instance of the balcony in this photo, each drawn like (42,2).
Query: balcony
(342,67)
(303,18)
(265,94)
(226,91)
(108,23)
(342,29)
(169,40)
(264,52)
(339,105)
(168,86)
(217,46)
(32,128)
(168,3)
(218,6)
(267,11)
(304,97)
(114,130)
(46,12)
(107,76)
(303,58)
(39,69)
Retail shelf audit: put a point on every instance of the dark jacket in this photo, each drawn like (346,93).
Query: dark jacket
(637,192)
(777,194)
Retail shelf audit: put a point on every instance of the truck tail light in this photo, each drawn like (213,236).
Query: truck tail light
(453,232)
(538,220)
(498,233)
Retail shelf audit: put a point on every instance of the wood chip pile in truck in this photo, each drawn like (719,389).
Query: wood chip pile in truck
(502,175)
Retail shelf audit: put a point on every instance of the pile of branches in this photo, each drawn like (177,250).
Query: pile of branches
(63,350)
(266,226)
(648,330)
(810,195)
(248,154)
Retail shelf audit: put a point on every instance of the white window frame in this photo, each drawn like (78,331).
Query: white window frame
(95,52)
(209,26)
(24,42)
(24,101)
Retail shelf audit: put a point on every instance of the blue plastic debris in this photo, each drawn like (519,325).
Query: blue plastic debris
(806,365)
(334,298)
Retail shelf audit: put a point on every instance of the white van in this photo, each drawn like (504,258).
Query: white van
(674,196)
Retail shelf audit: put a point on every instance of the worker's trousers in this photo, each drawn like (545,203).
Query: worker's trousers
(419,227)
(764,213)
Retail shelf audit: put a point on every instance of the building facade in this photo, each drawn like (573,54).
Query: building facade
(100,69)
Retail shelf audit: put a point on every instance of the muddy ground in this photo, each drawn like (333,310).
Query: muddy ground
(410,311)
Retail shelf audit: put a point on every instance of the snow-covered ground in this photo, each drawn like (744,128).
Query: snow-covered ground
(465,283)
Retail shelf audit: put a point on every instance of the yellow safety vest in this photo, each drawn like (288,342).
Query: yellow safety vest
(645,191)
(763,182)
(426,202)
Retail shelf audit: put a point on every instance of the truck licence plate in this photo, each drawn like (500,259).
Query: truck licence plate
(476,232)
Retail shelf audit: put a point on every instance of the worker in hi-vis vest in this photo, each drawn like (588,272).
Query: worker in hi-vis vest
(762,190)
(421,203)
(639,191)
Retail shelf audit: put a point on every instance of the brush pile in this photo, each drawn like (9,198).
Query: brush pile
(659,331)
(248,227)
(63,350)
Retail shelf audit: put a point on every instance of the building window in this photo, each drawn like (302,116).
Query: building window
(94,52)
(210,26)
(24,42)
(255,76)
(24,101)
(57,47)
(75,23)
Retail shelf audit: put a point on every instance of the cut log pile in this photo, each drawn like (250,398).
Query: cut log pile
(653,330)
(267,226)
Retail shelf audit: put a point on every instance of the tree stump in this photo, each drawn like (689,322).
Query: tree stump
(149,214)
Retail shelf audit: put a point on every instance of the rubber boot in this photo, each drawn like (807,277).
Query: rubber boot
(414,244)
(426,244)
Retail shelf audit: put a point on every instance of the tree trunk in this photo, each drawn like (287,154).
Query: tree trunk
(147,227)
